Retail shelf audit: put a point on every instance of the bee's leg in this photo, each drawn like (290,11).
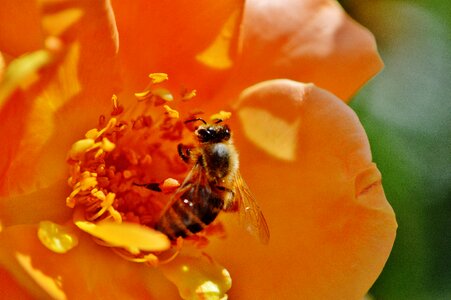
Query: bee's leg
(224,189)
(229,204)
(153,186)
(184,152)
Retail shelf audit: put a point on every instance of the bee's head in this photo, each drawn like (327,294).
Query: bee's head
(213,133)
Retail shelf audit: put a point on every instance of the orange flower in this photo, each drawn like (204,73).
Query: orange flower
(302,151)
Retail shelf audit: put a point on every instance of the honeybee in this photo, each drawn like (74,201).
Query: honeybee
(214,184)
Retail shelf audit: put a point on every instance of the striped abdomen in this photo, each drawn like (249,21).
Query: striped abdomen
(191,212)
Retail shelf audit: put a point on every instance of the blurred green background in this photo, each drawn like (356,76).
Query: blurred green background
(406,111)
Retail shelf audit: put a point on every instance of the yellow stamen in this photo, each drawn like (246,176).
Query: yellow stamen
(158,77)
(80,147)
(150,258)
(107,145)
(163,94)
(160,93)
(88,181)
(99,194)
(187,95)
(111,123)
(143,95)
(70,201)
(117,218)
(114,99)
(117,109)
(171,112)
(222,115)
(106,202)
(92,134)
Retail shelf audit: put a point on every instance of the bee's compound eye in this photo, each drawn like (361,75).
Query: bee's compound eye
(203,134)
(225,133)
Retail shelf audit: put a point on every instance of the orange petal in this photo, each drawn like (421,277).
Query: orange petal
(194,42)
(42,204)
(308,41)
(88,271)
(198,277)
(20,29)
(67,99)
(10,289)
(28,121)
(91,26)
(21,75)
(307,160)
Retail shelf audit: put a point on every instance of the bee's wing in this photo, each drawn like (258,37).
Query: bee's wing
(251,217)
(195,178)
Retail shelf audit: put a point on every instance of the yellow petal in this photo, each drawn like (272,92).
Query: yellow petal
(130,236)
(23,71)
(279,139)
(217,54)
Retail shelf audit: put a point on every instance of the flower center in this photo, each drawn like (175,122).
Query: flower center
(126,168)
(112,163)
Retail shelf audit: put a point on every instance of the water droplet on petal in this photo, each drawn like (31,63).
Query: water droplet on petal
(55,237)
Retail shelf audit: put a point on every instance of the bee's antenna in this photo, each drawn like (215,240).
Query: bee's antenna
(218,121)
(196,119)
